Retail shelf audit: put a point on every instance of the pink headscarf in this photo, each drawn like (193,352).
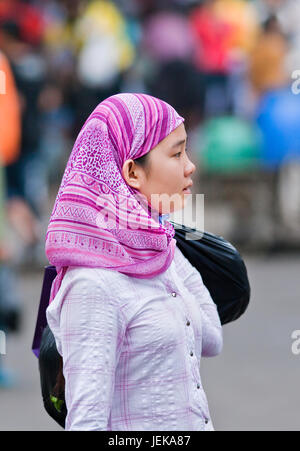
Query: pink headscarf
(131,241)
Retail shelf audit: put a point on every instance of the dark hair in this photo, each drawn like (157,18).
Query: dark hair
(271,24)
(11,28)
(144,162)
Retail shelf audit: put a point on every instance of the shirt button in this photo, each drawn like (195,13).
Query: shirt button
(191,353)
(206,420)
(198,385)
(188,323)
(174,294)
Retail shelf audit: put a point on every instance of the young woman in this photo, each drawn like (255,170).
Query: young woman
(130,315)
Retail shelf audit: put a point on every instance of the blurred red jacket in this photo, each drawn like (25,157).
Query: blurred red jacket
(10,115)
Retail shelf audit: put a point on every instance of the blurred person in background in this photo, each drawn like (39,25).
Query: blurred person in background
(275,57)
(58,99)
(287,15)
(243,20)
(212,58)
(91,50)
(21,29)
(225,31)
(106,52)
(10,117)
(62,45)
(267,60)
(10,136)
(168,46)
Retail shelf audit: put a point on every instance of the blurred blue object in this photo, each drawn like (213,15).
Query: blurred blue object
(8,378)
(278,117)
(10,300)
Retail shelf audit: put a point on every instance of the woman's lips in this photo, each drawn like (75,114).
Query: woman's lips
(187,190)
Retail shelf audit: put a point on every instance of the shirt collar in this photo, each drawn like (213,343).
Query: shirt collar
(163,218)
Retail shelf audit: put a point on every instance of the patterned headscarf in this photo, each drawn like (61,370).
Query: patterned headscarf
(98,220)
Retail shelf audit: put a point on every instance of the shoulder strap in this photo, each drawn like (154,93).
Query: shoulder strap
(41,322)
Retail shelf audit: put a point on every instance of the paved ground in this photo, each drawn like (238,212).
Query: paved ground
(252,385)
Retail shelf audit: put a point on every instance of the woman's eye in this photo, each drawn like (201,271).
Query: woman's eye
(179,153)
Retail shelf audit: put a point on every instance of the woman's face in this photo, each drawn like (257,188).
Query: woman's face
(168,173)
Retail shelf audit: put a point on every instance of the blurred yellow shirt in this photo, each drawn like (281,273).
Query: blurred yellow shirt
(267,62)
(242,18)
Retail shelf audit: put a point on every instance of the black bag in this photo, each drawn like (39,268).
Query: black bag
(222,269)
(49,366)
(223,272)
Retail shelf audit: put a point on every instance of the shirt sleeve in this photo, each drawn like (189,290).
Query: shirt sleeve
(212,333)
(92,330)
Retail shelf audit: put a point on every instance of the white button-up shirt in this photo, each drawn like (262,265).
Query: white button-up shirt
(132,347)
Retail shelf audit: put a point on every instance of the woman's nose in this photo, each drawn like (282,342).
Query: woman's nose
(190,167)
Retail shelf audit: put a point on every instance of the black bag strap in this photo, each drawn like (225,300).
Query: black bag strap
(41,322)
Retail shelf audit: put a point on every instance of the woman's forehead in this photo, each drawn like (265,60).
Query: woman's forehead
(176,138)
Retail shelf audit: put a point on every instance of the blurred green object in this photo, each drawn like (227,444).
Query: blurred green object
(58,403)
(229,145)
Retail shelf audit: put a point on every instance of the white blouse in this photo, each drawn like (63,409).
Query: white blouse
(132,348)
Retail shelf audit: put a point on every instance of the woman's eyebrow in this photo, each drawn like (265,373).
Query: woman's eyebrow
(179,143)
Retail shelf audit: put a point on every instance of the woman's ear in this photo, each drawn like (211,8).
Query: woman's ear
(132,174)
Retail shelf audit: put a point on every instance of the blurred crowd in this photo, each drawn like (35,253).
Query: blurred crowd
(227,66)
